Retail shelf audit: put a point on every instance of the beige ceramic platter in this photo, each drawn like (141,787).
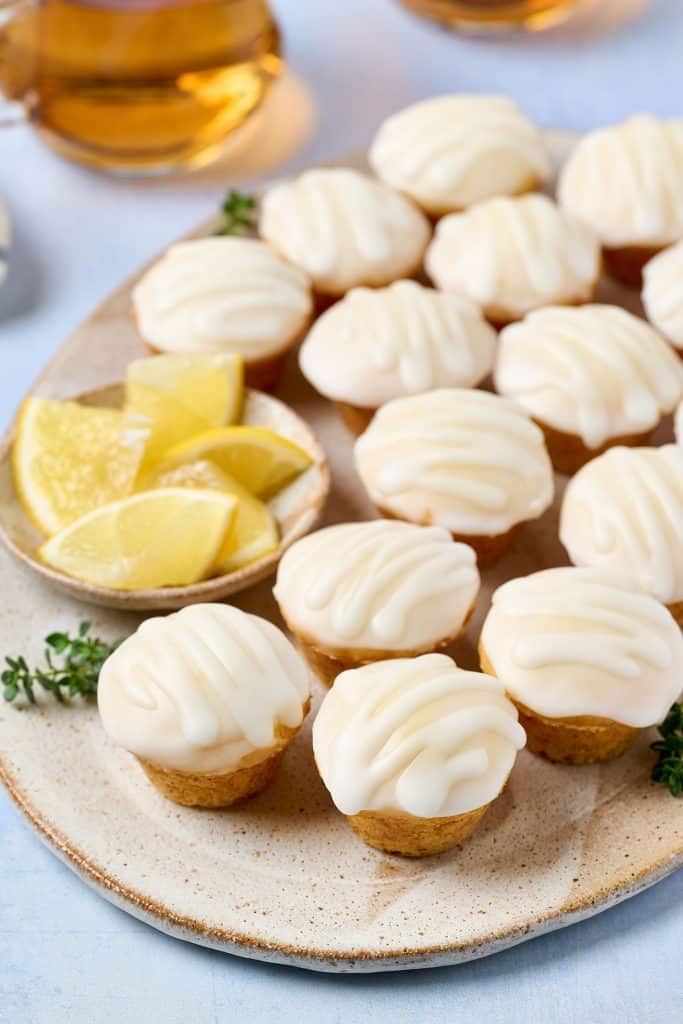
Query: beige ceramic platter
(282,878)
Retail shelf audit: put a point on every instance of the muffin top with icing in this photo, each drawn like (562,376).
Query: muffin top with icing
(467,460)
(417,735)
(202,688)
(573,642)
(624,510)
(512,255)
(382,343)
(222,295)
(452,151)
(625,181)
(386,586)
(663,293)
(344,229)
(594,371)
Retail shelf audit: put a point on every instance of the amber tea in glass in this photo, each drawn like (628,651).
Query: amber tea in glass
(492,15)
(137,85)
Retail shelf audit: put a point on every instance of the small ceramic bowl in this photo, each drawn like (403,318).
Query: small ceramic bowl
(296,510)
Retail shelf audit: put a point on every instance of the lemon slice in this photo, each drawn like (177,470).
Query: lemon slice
(169,537)
(182,395)
(261,460)
(68,459)
(254,532)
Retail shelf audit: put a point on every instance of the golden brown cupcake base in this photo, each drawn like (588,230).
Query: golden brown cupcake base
(355,417)
(626,264)
(568,453)
(328,662)
(250,775)
(409,836)
(488,548)
(583,739)
(213,789)
(676,610)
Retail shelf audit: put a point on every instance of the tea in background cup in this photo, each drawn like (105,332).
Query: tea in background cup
(493,15)
(138,85)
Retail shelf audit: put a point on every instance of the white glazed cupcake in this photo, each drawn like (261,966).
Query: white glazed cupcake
(625,182)
(663,293)
(361,592)
(384,343)
(452,151)
(413,751)
(624,511)
(512,255)
(207,699)
(225,295)
(344,229)
(587,657)
(467,460)
(591,377)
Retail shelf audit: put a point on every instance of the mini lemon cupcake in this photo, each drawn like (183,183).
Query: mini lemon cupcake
(663,294)
(362,592)
(466,460)
(207,699)
(344,229)
(225,295)
(588,658)
(591,377)
(383,343)
(625,183)
(449,152)
(624,511)
(413,751)
(512,255)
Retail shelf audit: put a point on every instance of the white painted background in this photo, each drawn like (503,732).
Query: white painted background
(66,955)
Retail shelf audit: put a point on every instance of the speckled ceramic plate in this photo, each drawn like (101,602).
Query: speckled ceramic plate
(283,878)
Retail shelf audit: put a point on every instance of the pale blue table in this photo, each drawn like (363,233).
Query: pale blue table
(65,954)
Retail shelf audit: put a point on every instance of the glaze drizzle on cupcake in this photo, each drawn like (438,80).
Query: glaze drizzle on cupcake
(574,642)
(377,585)
(201,688)
(594,371)
(467,460)
(417,735)
(624,510)
(663,293)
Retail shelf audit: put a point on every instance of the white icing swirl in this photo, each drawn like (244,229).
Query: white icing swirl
(202,688)
(452,151)
(379,344)
(222,295)
(467,460)
(417,735)
(377,586)
(594,371)
(344,229)
(663,293)
(513,255)
(572,642)
(625,181)
(624,510)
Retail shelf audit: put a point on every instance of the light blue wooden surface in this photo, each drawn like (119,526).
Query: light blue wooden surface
(65,954)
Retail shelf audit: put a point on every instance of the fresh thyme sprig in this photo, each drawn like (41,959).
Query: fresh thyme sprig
(669,767)
(238,211)
(72,667)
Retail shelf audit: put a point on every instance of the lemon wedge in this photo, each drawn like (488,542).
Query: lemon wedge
(261,460)
(182,395)
(169,537)
(254,532)
(68,459)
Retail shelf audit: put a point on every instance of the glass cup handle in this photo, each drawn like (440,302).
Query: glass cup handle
(14,110)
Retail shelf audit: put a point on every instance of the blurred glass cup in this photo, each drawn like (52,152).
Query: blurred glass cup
(136,85)
(493,15)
